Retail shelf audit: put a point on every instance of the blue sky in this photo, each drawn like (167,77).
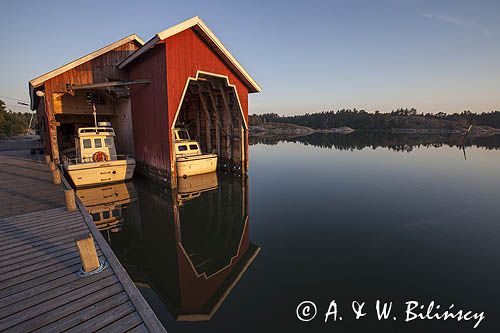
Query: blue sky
(308,56)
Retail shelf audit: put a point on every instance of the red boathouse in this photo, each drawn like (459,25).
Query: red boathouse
(182,77)
(195,83)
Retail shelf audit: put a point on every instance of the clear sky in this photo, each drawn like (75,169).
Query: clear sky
(308,56)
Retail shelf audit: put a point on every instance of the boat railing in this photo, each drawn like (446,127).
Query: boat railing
(79,160)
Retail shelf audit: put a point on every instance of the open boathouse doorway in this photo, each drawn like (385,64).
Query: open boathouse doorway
(211,111)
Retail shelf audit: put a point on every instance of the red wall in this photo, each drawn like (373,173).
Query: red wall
(149,110)
(186,54)
(168,66)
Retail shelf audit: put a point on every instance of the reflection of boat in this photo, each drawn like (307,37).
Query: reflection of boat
(192,187)
(189,158)
(96,161)
(105,203)
(189,258)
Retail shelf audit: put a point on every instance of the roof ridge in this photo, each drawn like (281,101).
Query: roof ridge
(72,64)
(189,23)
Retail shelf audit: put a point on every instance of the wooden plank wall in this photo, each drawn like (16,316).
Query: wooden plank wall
(100,69)
(150,117)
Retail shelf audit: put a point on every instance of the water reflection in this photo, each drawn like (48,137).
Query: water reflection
(185,249)
(106,203)
(192,187)
(404,142)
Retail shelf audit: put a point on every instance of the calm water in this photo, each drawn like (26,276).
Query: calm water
(362,217)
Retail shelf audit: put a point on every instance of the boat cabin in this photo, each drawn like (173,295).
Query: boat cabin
(95,144)
(184,146)
(96,161)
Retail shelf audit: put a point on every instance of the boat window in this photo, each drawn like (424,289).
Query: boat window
(97,143)
(108,142)
(87,143)
(193,147)
(182,148)
(105,215)
(183,135)
(95,216)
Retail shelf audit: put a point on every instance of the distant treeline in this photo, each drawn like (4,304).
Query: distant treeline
(13,123)
(400,118)
(402,142)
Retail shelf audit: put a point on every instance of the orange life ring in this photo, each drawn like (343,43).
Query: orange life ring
(99,156)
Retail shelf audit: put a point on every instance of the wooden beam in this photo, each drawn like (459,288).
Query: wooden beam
(70,87)
(243,151)
(208,130)
(226,104)
(53,142)
(217,121)
(197,113)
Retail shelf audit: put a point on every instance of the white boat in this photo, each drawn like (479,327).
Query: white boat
(189,158)
(96,161)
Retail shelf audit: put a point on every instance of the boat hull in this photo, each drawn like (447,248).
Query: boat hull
(196,165)
(87,174)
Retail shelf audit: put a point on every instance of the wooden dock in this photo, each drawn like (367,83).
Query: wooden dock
(40,290)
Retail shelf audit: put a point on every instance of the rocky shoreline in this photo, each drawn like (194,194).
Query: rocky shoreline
(283,130)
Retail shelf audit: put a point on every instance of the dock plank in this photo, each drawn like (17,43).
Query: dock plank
(24,285)
(104,318)
(8,261)
(50,294)
(138,329)
(39,286)
(44,242)
(87,309)
(50,304)
(123,324)
(39,265)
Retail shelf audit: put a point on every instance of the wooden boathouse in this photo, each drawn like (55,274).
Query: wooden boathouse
(182,77)
(61,97)
(196,83)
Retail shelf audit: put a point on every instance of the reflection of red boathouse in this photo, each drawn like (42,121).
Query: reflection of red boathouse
(202,290)
(192,255)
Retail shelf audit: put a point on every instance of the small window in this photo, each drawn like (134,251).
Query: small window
(193,147)
(97,143)
(105,215)
(183,135)
(87,143)
(115,213)
(182,148)
(108,142)
(95,216)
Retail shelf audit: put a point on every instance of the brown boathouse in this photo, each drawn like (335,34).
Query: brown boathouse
(182,77)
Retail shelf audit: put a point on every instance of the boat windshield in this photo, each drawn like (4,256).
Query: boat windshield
(183,135)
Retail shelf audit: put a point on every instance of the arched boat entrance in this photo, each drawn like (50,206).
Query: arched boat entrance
(211,111)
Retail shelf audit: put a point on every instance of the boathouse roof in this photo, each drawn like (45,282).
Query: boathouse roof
(208,36)
(36,82)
